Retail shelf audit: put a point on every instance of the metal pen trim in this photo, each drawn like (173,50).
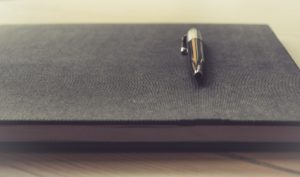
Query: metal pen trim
(193,33)
(192,45)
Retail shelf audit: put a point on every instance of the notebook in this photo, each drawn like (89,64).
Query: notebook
(129,83)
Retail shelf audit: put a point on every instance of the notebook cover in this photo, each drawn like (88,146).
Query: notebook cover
(110,73)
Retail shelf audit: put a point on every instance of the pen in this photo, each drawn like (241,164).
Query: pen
(192,45)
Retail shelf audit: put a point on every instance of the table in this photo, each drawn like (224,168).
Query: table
(282,16)
(149,164)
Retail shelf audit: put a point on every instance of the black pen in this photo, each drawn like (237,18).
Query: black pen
(192,45)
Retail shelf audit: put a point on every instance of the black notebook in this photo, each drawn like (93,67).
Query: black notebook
(129,83)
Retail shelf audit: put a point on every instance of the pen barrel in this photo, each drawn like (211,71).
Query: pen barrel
(196,55)
(195,50)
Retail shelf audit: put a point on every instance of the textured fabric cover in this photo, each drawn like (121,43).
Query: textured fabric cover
(136,72)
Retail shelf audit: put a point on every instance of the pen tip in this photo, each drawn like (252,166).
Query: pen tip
(198,75)
(198,72)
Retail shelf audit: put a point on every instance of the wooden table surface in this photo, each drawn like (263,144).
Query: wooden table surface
(149,164)
(282,16)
